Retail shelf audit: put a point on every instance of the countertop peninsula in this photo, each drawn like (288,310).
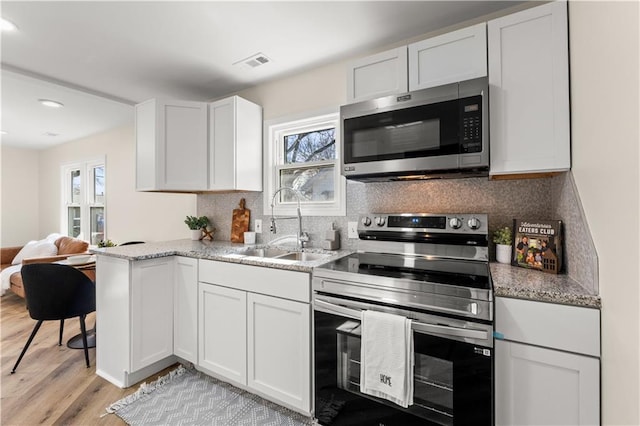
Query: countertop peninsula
(217,250)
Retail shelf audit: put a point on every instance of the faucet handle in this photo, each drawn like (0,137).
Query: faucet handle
(304,239)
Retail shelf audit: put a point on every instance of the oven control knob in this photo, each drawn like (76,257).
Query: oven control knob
(380,220)
(366,221)
(455,223)
(474,223)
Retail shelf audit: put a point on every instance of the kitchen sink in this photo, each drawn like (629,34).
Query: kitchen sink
(303,256)
(265,252)
(283,254)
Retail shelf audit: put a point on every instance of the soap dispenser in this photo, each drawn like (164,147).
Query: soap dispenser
(331,238)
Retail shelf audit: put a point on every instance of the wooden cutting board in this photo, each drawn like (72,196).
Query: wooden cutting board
(240,223)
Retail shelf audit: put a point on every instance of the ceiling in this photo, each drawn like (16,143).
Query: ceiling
(101,57)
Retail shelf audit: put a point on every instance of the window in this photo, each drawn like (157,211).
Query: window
(303,154)
(84,201)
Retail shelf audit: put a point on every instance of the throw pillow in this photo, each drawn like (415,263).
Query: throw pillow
(42,248)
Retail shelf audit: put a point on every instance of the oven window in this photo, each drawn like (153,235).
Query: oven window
(433,384)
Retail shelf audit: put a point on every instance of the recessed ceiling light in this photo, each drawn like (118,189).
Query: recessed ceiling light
(50,103)
(6,25)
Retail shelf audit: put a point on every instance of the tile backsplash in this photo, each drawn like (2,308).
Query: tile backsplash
(502,200)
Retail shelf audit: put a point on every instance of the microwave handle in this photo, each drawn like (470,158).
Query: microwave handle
(418,326)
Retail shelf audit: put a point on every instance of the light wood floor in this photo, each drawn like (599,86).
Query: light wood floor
(52,385)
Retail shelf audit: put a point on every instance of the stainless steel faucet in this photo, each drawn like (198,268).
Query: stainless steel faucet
(302,237)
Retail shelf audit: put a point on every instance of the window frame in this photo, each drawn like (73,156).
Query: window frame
(87,198)
(275,130)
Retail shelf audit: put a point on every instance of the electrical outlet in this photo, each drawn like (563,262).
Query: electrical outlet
(257,226)
(352,229)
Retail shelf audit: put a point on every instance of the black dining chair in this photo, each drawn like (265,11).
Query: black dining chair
(57,292)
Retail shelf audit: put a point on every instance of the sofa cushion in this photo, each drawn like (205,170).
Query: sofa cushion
(42,248)
(68,245)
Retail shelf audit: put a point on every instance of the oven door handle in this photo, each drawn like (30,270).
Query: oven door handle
(331,308)
(418,326)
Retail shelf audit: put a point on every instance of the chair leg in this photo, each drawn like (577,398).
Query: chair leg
(24,350)
(83,328)
(61,330)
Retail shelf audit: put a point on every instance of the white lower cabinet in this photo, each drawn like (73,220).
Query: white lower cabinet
(185,309)
(151,300)
(252,334)
(547,367)
(540,386)
(278,348)
(134,321)
(223,332)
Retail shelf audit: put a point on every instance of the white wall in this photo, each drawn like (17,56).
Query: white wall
(130,215)
(604,90)
(315,90)
(19,196)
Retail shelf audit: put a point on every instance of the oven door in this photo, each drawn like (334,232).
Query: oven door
(452,373)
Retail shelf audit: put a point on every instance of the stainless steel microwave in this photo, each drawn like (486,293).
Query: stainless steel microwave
(436,132)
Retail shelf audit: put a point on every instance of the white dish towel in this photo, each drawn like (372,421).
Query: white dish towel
(386,367)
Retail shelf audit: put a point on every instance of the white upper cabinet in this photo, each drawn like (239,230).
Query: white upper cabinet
(379,75)
(171,145)
(235,145)
(449,58)
(529,91)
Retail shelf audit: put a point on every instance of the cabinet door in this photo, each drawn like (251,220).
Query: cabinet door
(538,386)
(449,58)
(185,313)
(151,311)
(235,145)
(279,363)
(378,75)
(529,91)
(222,332)
(171,145)
(113,358)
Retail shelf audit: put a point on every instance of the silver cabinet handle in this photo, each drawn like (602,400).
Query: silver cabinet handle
(418,326)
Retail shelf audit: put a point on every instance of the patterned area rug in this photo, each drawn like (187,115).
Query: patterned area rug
(188,397)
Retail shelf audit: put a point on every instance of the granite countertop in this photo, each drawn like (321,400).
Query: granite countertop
(508,281)
(521,283)
(217,250)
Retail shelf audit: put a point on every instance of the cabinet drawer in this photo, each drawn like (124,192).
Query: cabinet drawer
(292,285)
(568,328)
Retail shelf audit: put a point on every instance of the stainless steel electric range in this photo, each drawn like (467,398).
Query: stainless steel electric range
(434,269)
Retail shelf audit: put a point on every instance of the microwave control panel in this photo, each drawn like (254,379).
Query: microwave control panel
(471,124)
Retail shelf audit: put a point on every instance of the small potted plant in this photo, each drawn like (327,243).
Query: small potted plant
(503,238)
(196,225)
(106,243)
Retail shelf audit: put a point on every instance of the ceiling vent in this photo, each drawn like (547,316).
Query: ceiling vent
(254,61)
